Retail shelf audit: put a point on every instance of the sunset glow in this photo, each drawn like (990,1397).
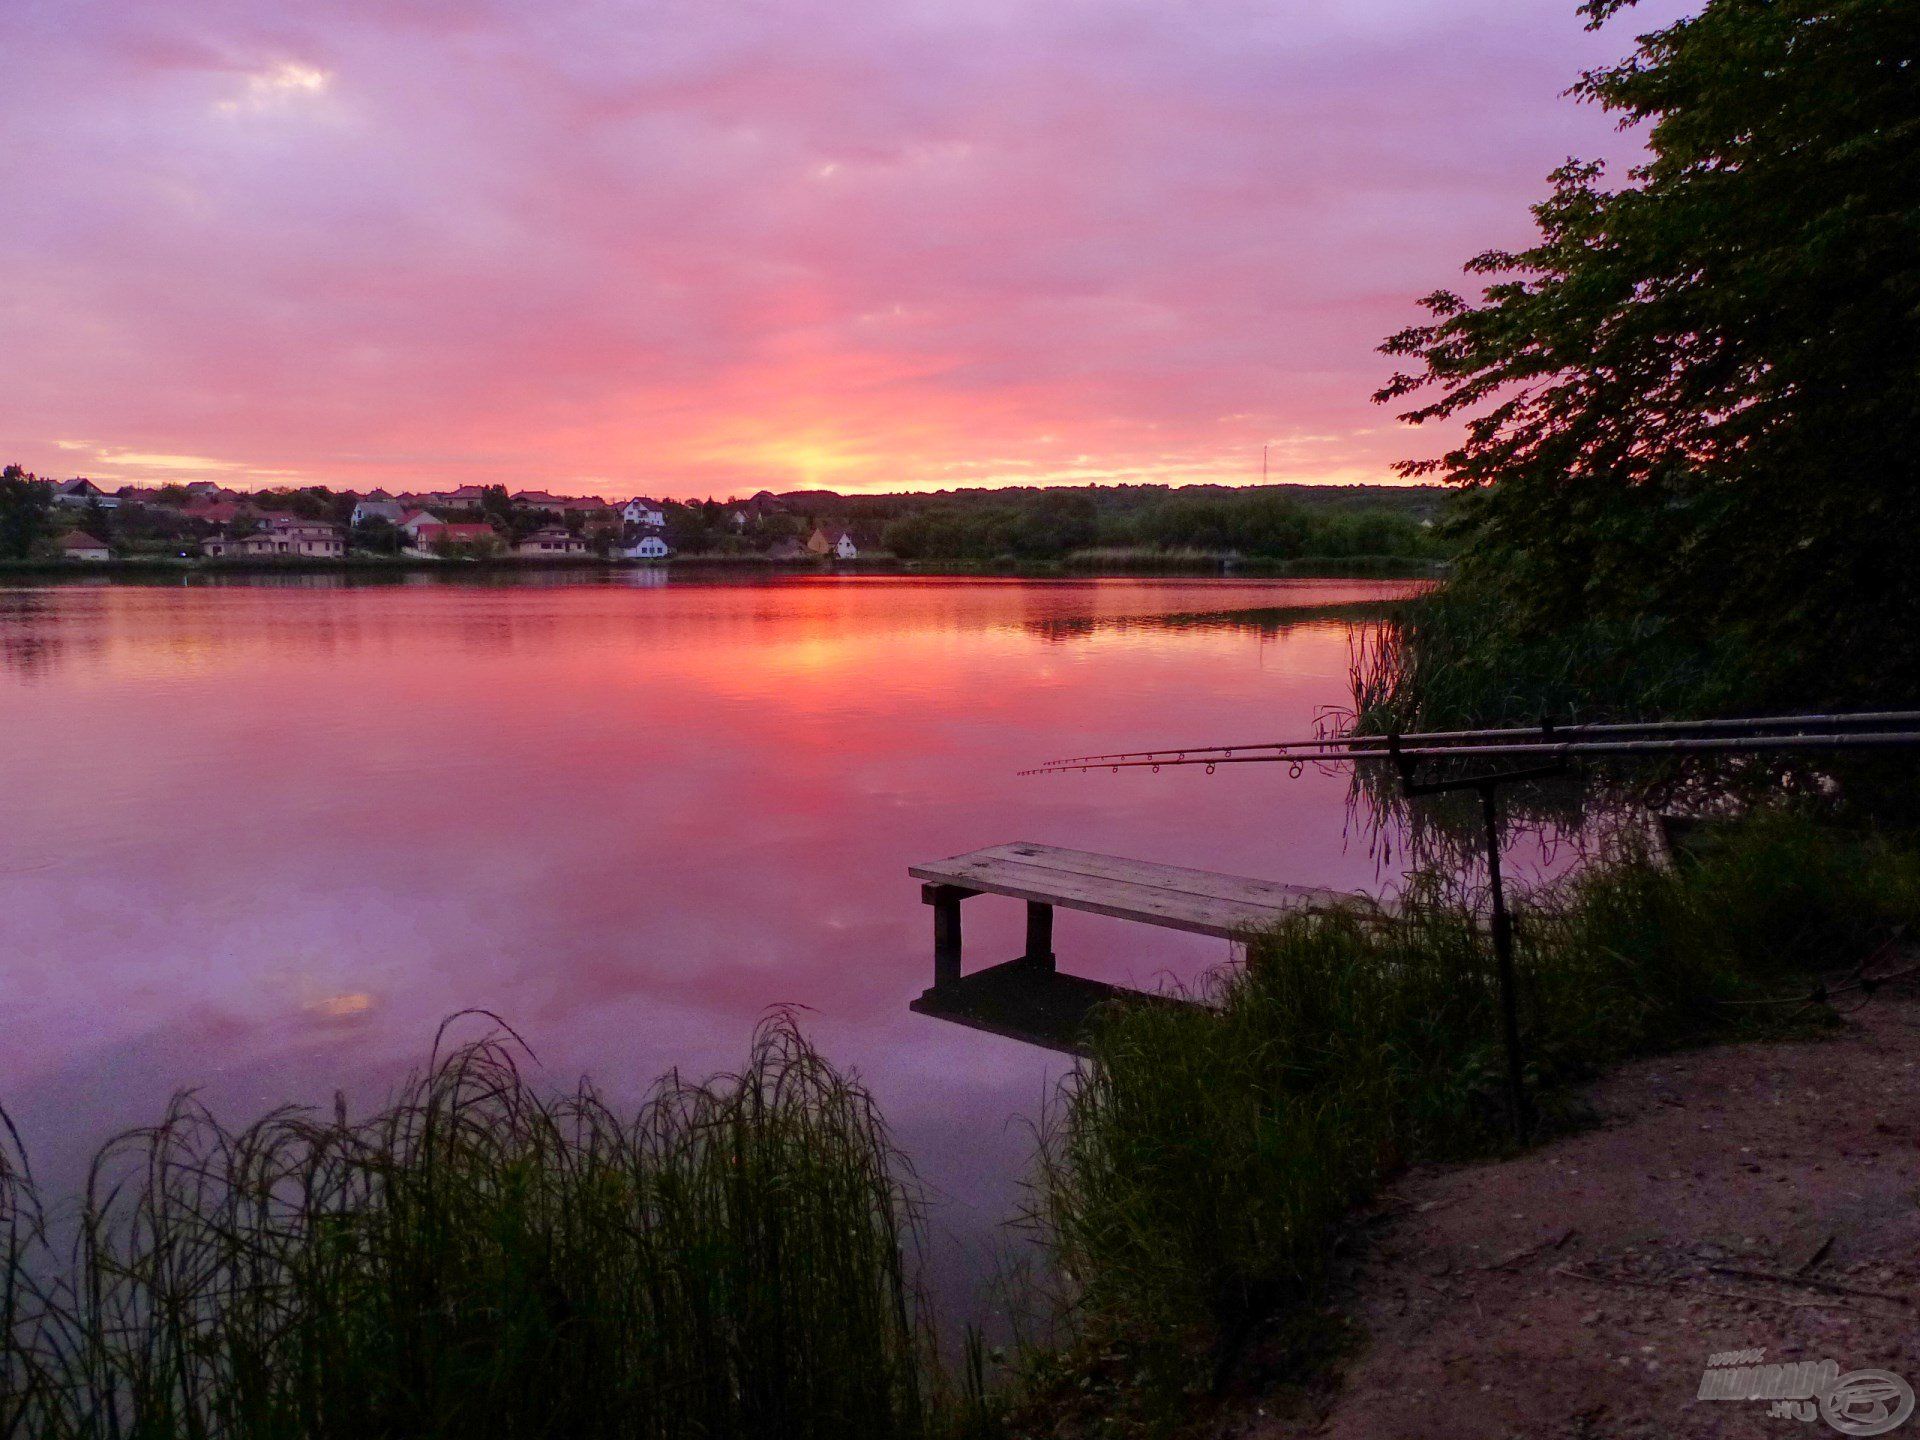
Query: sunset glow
(697,250)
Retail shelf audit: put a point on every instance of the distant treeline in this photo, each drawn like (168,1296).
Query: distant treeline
(1131,526)
(1273,522)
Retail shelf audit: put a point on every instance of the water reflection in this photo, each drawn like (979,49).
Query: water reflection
(262,837)
(1267,621)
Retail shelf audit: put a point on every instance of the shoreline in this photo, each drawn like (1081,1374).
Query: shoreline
(1304,568)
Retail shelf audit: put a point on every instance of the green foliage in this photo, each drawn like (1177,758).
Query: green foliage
(1196,1174)
(99,522)
(1455,658)
(1045,527)
(154,529)
(1050,525)
(496,508)
(479,1261)
(309,502)
(377,536)
(26,502)
(1690,404)
(1269,525)
(698,527)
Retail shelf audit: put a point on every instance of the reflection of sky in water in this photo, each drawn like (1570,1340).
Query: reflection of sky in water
(260,839)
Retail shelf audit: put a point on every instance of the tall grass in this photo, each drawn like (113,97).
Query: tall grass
(1197,1175)
(478,1260)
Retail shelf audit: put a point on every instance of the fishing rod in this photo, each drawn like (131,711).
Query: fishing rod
(1344,744)
(1393,747)
(1550,751)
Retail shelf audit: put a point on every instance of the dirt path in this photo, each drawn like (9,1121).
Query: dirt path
(1579,1290)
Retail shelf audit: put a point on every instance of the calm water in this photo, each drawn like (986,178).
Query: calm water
(260,838)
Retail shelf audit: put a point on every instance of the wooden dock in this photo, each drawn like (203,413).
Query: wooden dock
(1028,998)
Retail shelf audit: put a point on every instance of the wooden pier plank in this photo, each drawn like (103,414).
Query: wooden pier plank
(1244,888)
(1198,901)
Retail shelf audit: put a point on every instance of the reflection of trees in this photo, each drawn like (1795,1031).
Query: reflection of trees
(33,638)
(32,653)
(1446,833)
(1265,621)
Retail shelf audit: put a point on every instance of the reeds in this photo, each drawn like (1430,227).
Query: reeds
(477,1260)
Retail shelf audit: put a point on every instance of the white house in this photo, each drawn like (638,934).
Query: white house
(78,545)
(648,547)
(414,521)
(81,492)
(845,548)
(642,511)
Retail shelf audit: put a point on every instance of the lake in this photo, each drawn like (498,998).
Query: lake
(261,837)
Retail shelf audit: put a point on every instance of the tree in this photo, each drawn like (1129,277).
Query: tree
(1692,401)
(97,521)
(25,504)
(377,536)
(496,506)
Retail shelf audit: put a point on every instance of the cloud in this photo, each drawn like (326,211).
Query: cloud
(703,248)
(275,88)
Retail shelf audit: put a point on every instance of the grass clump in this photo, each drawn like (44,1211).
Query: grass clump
(479,1260)
(1196,1178)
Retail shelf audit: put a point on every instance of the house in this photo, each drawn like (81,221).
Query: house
(78,545)
(648,547)
(281,537)
(560,504)
(435,539)
(378,505)
(837,543)
(315,539)
(463,497)
(414,520)
(550,542)
(642,511)
(202,490)
(82,492)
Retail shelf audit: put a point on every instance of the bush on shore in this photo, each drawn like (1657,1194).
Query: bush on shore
(1197,1173)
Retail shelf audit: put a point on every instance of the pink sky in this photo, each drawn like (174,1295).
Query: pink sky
(689,248)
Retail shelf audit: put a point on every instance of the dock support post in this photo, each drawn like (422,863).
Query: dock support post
(1503,966)
(1039,935)
(945,900)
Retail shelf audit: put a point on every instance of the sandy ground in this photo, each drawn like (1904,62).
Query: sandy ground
(1757,1197)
